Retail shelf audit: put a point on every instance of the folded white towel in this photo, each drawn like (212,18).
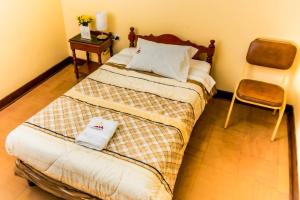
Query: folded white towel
(97,133)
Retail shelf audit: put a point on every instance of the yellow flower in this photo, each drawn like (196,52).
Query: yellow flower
(84,19)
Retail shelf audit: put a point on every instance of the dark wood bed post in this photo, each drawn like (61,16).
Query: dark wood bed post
(210,52)
(132,37)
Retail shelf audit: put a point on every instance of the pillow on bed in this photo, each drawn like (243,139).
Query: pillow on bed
(172,61)
(131,51)
(199,70)
(192,50)
(199,65)
(194,64)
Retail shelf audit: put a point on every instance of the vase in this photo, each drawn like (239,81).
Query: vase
(85,32)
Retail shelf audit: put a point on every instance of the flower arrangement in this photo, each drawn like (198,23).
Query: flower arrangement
(84,20)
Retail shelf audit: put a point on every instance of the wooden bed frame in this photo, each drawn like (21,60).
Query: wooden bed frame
(36,178)
(172,39)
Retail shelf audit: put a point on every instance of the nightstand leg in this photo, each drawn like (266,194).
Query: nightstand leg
(88,57)
(88,60)
(99,59)
(111,51)
(75,64)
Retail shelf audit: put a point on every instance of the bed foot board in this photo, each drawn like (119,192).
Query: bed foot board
(36,178)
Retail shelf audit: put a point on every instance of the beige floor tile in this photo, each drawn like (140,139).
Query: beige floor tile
(251,189)
(248,188)
(223,151)
(35,193)
(214,184)
(11,186)
(258,169)
(260,146)
(283,178)
(188,173)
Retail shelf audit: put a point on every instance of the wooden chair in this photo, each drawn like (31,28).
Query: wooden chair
(272,54)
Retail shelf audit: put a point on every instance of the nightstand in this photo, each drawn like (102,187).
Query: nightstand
(90,46)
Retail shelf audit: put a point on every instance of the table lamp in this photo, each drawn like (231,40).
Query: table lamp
(101,24)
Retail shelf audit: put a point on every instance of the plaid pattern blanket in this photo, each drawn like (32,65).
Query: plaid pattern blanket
(146,141)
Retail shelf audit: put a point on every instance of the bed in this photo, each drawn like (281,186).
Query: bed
(142,160)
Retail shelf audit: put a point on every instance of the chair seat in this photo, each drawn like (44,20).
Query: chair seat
(260,92)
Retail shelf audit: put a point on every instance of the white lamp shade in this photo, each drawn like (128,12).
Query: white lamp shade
(101,21)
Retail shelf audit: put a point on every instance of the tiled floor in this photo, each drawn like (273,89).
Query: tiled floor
(239,163)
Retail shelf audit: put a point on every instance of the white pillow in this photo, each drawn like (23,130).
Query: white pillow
(199,70)
(131,51)
(172,61)
(194,64)
(192,50)
(201,65)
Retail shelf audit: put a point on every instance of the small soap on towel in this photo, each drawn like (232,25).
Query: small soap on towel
(97,134)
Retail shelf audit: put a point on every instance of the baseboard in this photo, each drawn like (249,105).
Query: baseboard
(293,165)
(33,83)
(223,95)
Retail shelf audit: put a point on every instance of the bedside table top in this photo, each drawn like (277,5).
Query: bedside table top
(93,41)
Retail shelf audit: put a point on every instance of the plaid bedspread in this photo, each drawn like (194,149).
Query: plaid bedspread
(155,116)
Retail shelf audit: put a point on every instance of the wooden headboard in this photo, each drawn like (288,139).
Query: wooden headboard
(172,39)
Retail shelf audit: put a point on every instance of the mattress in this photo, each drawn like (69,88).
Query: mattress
(156,117)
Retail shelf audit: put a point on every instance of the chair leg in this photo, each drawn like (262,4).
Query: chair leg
(274,111)
(281,113)
(229,111)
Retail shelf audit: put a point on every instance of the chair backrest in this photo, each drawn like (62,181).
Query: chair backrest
(273,54)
